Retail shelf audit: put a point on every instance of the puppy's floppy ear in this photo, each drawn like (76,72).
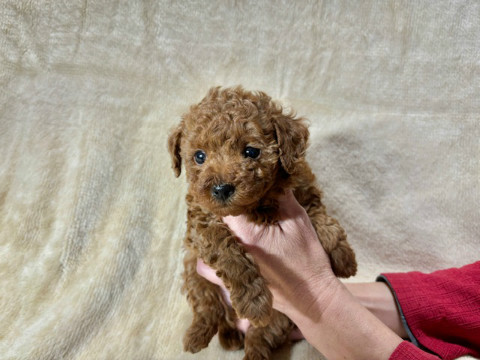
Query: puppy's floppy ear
(174,141)
(292,139)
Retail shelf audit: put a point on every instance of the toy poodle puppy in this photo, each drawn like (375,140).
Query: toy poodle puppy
(241,151)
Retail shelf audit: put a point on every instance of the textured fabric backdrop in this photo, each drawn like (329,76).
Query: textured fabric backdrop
(91,215)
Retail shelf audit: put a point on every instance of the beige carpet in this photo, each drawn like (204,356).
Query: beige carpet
(91,215)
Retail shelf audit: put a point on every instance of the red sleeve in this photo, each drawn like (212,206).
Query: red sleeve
(406,350)
(441,310)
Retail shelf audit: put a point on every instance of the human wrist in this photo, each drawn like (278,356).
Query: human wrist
(378,299)
(311,298)
(329,328)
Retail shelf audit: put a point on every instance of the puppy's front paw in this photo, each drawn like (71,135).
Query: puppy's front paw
(258,310)
(256,355)
(230,338)
(198,336)
(255,305)
(343,260)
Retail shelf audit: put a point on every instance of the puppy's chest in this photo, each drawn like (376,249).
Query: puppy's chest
(205,229)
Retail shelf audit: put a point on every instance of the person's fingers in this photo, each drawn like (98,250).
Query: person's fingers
(287,197)
(208,273)
(238,224)
(296,335)
(231,221)
(289,206)
(291,214)
(246,231)
(242,325)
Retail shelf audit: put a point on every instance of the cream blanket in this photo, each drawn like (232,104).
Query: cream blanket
(91,216)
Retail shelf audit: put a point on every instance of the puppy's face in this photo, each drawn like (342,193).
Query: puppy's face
(230,164)
(232,150)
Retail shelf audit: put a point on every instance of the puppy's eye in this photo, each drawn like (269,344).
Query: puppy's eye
(199,157)
(251,152)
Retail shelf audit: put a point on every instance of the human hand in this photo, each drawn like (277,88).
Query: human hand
(304,287)
(289,256)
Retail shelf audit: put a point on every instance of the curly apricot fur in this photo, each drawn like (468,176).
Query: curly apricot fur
(222,125)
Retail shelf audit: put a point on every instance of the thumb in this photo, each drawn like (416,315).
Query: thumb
(289,206)
(240,226)
(234,222)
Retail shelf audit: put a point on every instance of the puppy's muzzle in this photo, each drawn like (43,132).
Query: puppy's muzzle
(222,192)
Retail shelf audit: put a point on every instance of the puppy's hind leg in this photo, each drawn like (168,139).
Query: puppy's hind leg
(229,336)
(259,342)
(206,302)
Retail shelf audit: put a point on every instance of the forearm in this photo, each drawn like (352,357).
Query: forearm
(342,328)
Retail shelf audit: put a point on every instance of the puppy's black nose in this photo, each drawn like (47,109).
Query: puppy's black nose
(222,192)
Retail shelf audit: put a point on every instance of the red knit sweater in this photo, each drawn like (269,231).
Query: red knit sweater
(440,311)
